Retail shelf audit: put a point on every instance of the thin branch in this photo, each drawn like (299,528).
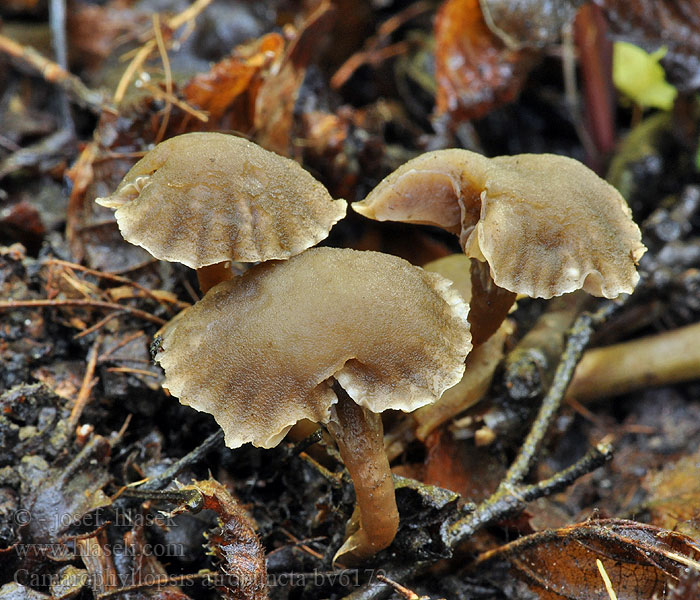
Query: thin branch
(405,592)
(133,371)
(101,323)
(131,69)
(172,99)
(514,499)
(49,150)
(145,51)
(579,336)
(111,277)
(594,458)
(372,52)
(128,339)
(146,316)
(54,73)
(168,76)
(494,509)
(377,589)
(87,385)
(512,496)
(164,581)
(191,458)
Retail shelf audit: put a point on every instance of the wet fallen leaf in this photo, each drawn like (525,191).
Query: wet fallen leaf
(67,493)
(458,466)
(474,70)
(674,495)
(228,91)
(642,561)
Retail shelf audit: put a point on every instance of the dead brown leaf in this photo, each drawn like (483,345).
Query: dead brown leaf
(68,493)
(458,466)
(674,495)
(642,561)
(474,70)
(99,564)
(146,567)
(95,31)
(227,92)
(278,93)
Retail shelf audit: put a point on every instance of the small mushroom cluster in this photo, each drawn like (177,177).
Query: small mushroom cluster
(331,335)
(337,336)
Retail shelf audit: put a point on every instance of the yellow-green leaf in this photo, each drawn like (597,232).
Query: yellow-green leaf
(640,77)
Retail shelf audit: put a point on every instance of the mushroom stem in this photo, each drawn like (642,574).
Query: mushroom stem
(210,275)
(661,359)
(490,304)
(359,434)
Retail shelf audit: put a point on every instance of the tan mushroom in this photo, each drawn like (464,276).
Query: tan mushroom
(335,336)
(545,224)
(203,199)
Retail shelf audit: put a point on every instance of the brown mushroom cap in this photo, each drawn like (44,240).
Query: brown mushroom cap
(258,352)
(576,232)
(206,198)
(546,224)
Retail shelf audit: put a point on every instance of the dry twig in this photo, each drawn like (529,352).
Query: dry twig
(88,383)
(374,52)
(168,77)
(189,14)
(43,303)
(512,495)
(117,279)
(54,73)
